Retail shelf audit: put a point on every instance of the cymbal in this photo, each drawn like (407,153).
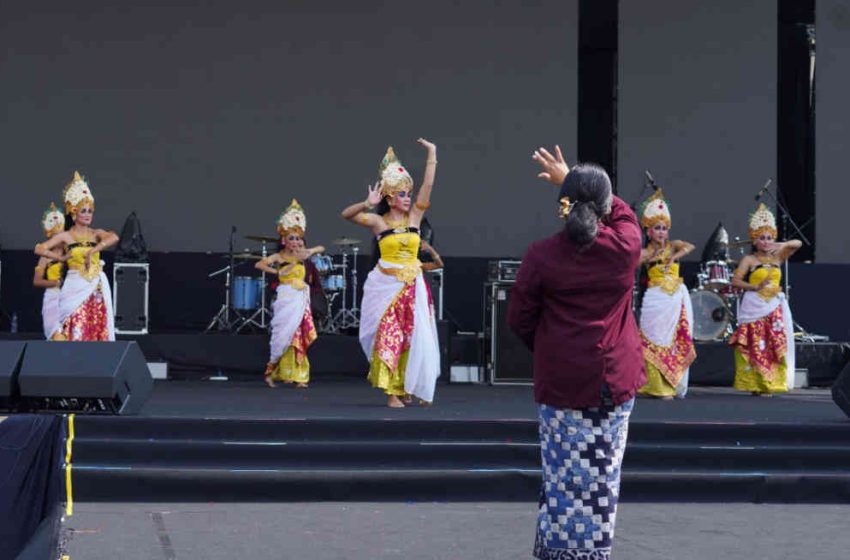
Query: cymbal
(262,238)
(346,241)
(243,256)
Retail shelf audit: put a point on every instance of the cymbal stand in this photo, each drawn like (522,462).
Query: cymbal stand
(221,320)
(345,317)
(262,313)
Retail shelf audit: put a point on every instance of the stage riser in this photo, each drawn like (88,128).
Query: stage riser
(415,455)
(123,429)
(161,459)
(151,485)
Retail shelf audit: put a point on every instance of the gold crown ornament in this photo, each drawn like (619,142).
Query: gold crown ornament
(655,210)
(292,220)
(394,177)
(77,194)
(52,221)
(762,221)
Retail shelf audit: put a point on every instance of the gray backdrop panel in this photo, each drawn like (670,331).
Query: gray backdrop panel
(832,138)
(698,107)
(199,116)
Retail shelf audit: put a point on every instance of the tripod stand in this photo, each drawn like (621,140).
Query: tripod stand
(345,317)
(221,320)
(261,317)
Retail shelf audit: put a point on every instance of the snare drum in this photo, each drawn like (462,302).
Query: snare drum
(717,274)
(323,263)
(333,282)
(712,315)
(246,292)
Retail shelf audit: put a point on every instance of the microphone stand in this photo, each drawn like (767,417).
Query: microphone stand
(785,217)
(634,206)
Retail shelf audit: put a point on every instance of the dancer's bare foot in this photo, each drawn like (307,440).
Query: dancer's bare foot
(269,381)
(667,398)
(394,402)
(426,404)
(301,385)
(407,399)
(766,395)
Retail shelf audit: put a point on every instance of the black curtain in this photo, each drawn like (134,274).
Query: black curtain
(796,123)
(32,486)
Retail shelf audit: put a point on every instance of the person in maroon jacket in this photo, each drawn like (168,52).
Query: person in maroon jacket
(572,306)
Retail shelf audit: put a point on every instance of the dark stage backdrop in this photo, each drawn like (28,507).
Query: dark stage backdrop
(204,114)
(698,107)
(832,28)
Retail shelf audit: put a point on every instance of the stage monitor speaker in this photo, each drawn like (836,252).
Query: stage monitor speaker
(11,353)
(87,377)
(511,362)
(841,390)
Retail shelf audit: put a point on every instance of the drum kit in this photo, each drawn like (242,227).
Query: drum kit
(247,305)
(715,301)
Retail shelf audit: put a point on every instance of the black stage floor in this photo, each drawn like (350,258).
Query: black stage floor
(356,400)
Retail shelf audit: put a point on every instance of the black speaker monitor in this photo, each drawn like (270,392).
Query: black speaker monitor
(113,375)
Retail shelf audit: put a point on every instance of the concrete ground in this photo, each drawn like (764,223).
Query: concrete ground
(440,531)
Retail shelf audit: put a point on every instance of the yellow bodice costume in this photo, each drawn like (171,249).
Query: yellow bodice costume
(773,274)
(53,272)
(669,280)
(77,260)
(401,248)
(295,276)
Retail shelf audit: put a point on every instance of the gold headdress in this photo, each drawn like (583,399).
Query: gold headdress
(394,177)
(655,210)
(77,194)
(292,220)
(762,221)
(52,221)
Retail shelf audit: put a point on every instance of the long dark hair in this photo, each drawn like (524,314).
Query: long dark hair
(589,189)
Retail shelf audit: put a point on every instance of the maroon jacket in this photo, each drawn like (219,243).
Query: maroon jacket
(573,309)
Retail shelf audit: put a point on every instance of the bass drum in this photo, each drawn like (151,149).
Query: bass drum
(712,316)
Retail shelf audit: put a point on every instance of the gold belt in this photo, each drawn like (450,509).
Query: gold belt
(407,274)
(295,283)
(88,273)
(668,284)
(769,292)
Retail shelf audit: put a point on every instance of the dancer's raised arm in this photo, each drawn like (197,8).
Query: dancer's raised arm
(359,211)
(423,199)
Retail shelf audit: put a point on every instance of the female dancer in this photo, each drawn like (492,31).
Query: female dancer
(292,325)
(666,316)
(85,301)
(398,332)
(764,339)
(48,273)
(571,305)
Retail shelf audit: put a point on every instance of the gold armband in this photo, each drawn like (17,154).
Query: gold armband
(422,207)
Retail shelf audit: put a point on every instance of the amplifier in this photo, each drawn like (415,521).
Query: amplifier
(502,271)
(509,361)
(130,297)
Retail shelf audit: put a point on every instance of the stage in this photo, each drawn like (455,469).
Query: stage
(336,441)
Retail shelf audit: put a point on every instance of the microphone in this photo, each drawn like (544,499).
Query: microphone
(763,189)
(651,180)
